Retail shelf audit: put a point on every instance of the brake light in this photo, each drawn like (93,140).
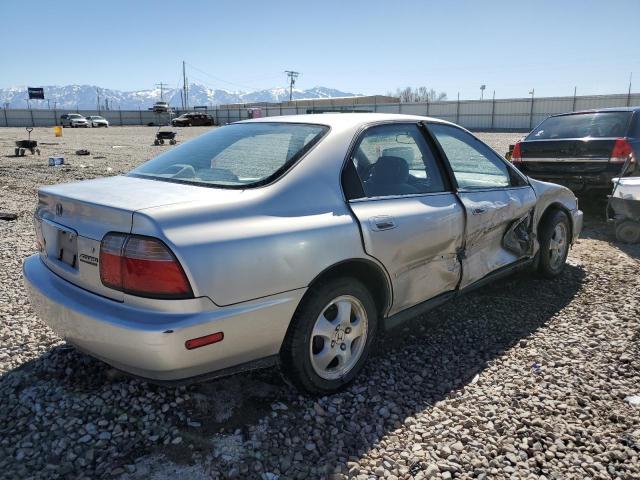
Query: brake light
(516,154)
(621,151)
(141,266)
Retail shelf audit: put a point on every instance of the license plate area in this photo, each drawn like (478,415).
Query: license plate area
(60,243)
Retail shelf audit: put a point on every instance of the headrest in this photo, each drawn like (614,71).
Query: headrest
(389,169)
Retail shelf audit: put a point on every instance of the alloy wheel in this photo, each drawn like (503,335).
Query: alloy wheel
(338,338)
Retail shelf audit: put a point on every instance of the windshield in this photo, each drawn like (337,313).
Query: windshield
(235,156)
(75,115)
(581,125)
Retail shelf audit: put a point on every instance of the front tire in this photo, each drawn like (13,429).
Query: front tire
(330,336)
(554,244)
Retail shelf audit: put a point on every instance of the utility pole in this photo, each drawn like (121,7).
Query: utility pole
(98,94)
(185,86)
(161,85)
(292,81)
(629,92)
(532,93)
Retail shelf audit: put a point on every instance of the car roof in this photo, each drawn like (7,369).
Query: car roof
(345,120)
(599,110)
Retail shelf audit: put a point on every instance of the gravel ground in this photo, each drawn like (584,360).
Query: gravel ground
(500,384)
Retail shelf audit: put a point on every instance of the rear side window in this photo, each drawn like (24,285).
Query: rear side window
(395,159)
(582,125)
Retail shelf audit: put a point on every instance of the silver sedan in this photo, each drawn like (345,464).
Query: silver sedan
(291,241)
(97,121)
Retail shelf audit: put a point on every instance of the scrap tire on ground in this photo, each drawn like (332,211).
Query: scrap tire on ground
(296,353)
(555,238)
(628,231)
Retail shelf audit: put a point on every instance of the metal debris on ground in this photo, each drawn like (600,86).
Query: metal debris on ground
(83,151)
(633,400)
(56,161)
(8,216)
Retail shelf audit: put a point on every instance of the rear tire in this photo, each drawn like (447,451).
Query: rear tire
(628,231)
(329,337)
(555,233)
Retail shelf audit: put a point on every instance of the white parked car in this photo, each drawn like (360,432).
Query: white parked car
(97,121)
(73,120)
(293,241)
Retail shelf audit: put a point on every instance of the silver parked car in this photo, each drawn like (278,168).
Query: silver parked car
(97,121)
(73,120)
(286,240)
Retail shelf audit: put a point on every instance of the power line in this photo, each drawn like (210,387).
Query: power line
(292,80)
(222,80)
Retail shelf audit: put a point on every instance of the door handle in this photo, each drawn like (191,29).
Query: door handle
(478,210)
(382,222)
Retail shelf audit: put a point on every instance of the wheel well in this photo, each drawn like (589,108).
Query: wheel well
(554,207)
(370,274)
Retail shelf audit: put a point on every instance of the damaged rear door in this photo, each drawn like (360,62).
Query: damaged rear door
(498,204)
(410,219)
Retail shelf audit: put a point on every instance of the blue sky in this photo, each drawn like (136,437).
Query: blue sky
(363,47)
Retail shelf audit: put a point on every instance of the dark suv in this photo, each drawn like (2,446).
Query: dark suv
(194,119)
(582,150)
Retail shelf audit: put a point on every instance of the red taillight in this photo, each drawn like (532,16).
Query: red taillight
(141,266)
(516,154)
(621,151)
(202,341)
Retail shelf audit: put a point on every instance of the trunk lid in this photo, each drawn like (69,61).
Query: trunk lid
(570,156)
(71,220)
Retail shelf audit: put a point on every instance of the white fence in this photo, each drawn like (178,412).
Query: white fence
(504,114)
(47,118)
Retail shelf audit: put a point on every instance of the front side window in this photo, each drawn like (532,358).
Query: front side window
(474,165)
(235,156)
(395,159)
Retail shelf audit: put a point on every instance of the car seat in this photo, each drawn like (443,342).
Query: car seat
(389,176)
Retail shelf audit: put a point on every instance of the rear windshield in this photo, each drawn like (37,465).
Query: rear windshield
(235,156)
(581,125)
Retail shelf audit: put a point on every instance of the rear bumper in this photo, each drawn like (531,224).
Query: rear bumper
(151,343)
(578,182)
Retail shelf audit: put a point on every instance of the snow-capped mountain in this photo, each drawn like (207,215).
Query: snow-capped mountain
(86,96)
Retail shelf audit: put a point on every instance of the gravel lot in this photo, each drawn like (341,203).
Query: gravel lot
(525,378)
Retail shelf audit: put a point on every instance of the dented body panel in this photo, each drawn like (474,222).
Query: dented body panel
(553,195)
(417,240)
(489,216)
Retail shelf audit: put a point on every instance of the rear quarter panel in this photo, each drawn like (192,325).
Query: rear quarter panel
(232,260)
